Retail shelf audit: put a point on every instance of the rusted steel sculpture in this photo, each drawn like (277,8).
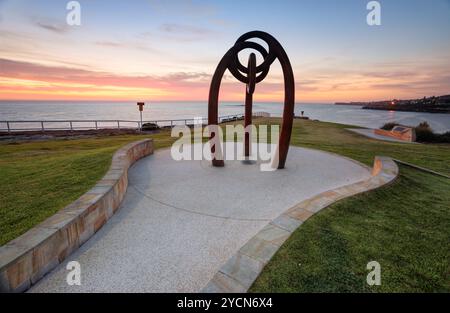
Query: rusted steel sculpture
(251,75)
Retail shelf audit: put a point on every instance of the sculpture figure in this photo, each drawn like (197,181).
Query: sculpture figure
(252,75)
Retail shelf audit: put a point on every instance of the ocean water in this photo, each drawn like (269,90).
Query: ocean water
(74,110)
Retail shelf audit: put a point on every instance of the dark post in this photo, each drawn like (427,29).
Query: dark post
(249,103)
(141,108)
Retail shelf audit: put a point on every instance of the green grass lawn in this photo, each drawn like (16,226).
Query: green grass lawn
(39,178)
(404,226)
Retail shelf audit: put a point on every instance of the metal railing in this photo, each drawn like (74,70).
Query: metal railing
(53,125)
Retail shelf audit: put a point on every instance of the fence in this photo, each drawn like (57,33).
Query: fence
(52,125)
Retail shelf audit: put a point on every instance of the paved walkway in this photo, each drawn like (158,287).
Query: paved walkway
(180,221)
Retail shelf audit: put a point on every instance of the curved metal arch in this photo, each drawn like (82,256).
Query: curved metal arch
(231,62)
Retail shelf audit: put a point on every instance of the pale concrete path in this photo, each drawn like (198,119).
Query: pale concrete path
(180,221)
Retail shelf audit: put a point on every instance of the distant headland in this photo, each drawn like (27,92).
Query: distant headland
(432,104)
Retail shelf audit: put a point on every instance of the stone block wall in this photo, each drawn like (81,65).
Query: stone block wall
(26,259)
(407,135)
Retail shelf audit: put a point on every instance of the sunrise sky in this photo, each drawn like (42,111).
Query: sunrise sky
(168,50)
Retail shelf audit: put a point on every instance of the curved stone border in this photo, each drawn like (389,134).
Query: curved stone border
(241,270)
(26,259)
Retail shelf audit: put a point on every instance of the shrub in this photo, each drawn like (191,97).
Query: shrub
(424,124)
(389,126)
(443,138)
(149,126)
(424,133)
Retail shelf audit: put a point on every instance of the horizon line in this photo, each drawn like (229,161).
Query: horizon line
(163,101)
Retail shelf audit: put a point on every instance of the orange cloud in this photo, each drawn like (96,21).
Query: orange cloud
(22,80)
(32,81)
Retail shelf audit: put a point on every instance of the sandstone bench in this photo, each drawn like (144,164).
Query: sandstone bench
(398,132)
